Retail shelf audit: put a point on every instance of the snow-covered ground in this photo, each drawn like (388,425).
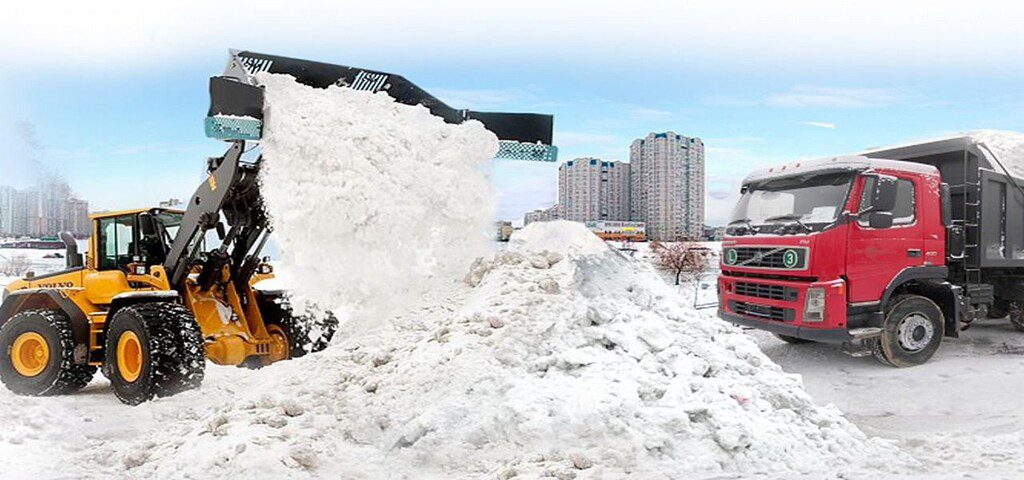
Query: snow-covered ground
(961,412)
(460,388)
(33,260)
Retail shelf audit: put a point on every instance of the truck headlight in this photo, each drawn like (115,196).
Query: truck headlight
(814,305)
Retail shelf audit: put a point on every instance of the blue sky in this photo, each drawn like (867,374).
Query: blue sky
(116,92)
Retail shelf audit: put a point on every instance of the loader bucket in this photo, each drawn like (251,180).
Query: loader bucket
(236,103)
(236,110)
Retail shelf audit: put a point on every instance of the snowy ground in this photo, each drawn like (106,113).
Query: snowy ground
(961,411)
(959,415)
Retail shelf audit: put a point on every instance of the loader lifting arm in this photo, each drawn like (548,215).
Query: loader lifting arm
(232,191)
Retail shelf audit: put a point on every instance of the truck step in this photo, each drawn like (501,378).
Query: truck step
(865,333)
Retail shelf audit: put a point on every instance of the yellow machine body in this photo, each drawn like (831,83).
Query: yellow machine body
(231,321)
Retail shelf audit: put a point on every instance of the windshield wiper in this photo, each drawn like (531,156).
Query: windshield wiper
(745,221)
(791,217)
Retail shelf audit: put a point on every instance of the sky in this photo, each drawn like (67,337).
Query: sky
(111,95)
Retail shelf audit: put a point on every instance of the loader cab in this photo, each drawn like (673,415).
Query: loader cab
(133,236)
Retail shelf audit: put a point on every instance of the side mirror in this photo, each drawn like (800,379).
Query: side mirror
(880,219)
(884,199)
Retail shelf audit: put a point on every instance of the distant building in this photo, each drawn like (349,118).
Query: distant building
(170,203)
(43,211)
(546,215)
(6,209)
(504,230)
(714,234)
(591,189)
(618,230)
(667,185)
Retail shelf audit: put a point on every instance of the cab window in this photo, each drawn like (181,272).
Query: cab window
(116,241)
(902,213)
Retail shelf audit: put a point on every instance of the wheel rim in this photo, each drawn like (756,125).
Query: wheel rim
(915,332)
(129,356)
(30,354)
(279,347)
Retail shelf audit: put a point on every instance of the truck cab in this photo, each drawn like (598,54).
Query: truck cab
(818,251)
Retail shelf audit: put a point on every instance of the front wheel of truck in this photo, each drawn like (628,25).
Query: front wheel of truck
(1016,313)
(911,333)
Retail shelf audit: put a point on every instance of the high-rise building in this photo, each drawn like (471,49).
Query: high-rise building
(590,189)
(43,211)
(545,215)
(6,209)
(667,185)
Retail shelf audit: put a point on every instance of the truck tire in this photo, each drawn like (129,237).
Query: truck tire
(1016,314)
(911,333)
(153,350)
(792,340)
(38,355)
(999,309)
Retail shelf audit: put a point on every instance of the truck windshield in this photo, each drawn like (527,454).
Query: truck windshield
(810,202)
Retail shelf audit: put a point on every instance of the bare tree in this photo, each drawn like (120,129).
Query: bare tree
(15,265)
(685,259)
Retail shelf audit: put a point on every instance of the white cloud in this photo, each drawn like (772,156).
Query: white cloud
(586,139)
(650,114)
(832,97)
(828,125)
(130,34)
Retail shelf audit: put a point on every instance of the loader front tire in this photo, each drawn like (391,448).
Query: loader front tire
(38,355)
(911,332)
(153,350)
(305,335)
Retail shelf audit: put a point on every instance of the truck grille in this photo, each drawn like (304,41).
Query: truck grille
(773,292)
(779,258)
(763,311)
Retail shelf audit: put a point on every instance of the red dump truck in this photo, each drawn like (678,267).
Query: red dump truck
(888,251)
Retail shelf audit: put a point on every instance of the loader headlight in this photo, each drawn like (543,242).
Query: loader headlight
(814,305)
(140,269)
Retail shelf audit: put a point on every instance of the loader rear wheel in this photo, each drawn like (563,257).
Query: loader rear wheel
(38,355)
(153,350)
(911,333)
(792,340)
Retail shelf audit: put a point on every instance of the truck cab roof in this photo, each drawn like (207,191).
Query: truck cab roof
(852,163)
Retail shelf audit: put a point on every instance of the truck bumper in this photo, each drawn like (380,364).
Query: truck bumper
(778,306)
(823,335)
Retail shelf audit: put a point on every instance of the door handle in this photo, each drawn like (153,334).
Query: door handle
(913,252)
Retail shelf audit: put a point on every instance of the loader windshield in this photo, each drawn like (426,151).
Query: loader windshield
(803,203)
(167,224)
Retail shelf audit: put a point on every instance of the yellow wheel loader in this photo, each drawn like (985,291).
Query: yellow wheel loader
(160,290)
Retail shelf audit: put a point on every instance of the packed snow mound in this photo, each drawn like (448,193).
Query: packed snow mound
(1007,146)
(558,236)
(374,203)
(571,361)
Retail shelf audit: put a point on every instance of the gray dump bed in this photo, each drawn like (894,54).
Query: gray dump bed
(985,202)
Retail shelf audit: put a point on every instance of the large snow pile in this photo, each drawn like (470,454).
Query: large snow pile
(1007,146)
(557,358)
(373,203)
